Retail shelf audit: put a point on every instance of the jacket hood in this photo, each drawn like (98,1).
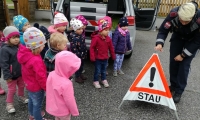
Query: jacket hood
(24,54)
(66,64)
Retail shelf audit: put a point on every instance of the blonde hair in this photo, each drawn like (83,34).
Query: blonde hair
(186,11)
(57,38)
(36,51)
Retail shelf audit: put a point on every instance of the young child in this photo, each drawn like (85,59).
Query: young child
(121,43)
(11,67)
(57,44)
(85,23)
(47,37)
(99,48)
(21,23)
(2,91)
(60,24)
(78,47)
(60,100)
(33,69)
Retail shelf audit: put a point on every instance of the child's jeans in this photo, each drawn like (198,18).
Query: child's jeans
(12,89)
(35,104)
(100,68)
(68,117)
(79,71)
(118,61)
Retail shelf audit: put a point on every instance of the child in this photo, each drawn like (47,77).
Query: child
(78,47)
(21,23)
(99,48)
(57,43)
(2,92)
(121,43)
(11,67)
(60,24)
(47,37)
(33,69)
(85,23)
(60,100)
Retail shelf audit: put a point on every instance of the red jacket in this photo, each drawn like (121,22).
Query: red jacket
(34,71)
(100,47)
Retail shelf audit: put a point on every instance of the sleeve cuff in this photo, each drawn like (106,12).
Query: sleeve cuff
(187,53)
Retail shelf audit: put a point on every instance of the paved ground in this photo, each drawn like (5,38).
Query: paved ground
(103,104)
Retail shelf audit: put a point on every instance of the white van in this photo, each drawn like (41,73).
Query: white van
(93,10)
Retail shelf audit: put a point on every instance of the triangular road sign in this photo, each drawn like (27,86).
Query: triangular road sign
(151,85)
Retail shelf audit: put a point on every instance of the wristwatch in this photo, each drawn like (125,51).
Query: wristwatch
(182,55)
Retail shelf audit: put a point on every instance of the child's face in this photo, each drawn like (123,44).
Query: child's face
(79,31)
(105,32)
(124,27)
(27,25)
(62,46)
(61,29)
(14,40)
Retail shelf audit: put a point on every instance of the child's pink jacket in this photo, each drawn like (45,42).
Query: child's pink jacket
(60,100)
(33,69)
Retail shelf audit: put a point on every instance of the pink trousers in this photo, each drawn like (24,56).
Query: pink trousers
(68,117)
(12,89)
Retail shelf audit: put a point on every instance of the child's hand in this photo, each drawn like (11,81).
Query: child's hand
(9,80)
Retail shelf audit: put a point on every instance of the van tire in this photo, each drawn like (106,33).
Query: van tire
(129,55)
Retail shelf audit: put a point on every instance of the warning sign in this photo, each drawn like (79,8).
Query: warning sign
(151,85)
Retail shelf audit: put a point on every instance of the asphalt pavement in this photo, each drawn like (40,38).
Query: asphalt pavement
(102,104)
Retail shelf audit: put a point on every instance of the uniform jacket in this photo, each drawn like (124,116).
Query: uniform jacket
(60,100)
(121,42)
(99,47)
(33,69)
(8,61)
(77,45)
(189,33)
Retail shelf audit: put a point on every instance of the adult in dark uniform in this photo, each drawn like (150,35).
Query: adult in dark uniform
(184,23)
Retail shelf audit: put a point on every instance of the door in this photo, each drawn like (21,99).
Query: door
(145,13)
(23,8)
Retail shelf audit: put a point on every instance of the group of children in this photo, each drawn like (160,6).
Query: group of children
(41,60)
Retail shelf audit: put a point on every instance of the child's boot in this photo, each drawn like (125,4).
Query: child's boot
(2,92)
(115,73)
(23,99)
(79,80)
(10,108)
(96,84)
(83,77)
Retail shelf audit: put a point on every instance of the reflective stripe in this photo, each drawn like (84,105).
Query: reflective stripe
(160,40)
(187,52)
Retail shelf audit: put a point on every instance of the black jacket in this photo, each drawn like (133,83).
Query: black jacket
(8,62)
(189,33)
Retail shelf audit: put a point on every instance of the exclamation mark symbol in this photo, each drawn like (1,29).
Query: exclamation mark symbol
(152,74)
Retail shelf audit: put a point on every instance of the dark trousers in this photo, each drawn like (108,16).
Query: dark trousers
(100,68)
(179,70)
(79,71)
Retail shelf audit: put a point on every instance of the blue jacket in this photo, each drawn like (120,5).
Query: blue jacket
(77,45)
(121,43)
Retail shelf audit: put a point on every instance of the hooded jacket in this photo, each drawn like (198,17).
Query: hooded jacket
(121,42)
(60,100)
(8,61)
(99,47)
(33,69)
